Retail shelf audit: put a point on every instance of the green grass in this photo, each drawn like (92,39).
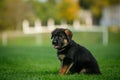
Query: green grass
(30,40)
(28,62)
(41,63)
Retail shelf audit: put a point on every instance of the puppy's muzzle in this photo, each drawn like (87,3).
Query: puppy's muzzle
(55,43)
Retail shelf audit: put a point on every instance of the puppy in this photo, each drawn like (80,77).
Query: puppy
(74,58)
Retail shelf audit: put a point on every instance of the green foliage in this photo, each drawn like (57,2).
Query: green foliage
(87,4)
(44,11)
(68,10)
(1,13)
(13,12)
(96,7)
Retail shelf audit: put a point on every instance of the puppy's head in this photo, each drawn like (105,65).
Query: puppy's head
(61,37)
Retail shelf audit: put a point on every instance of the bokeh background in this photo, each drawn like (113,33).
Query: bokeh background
(26,51)
(102,12)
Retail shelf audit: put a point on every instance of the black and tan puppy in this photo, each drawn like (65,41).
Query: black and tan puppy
(74,57)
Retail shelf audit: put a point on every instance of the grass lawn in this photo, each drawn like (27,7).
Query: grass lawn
(18,62)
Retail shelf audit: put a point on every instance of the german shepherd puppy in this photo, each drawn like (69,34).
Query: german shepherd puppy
(74,57)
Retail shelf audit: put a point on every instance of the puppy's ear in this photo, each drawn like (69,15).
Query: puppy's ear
(68,33)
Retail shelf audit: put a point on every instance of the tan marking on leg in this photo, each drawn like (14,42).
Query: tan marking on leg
(83,71)
(69,67)
(64,69)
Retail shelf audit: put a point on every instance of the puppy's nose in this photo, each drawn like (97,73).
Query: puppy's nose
(54,42)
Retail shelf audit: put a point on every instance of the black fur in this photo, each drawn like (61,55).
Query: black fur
(75,53)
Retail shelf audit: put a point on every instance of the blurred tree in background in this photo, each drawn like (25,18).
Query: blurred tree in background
(2,14)
(96,7)
(13,12)
(64,9)
(68,10)
(44,10)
